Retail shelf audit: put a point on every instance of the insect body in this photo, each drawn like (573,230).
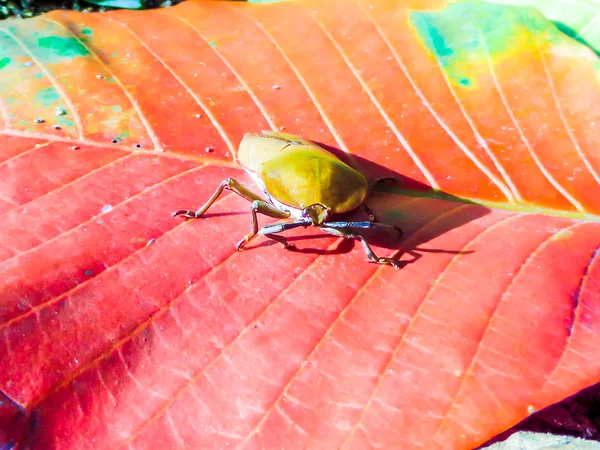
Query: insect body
(301,181)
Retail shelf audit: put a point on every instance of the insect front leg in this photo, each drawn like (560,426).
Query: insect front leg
(346,233)
(230,184)
(270,230)
(260,206)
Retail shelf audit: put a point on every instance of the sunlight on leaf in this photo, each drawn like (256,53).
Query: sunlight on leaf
(122,327)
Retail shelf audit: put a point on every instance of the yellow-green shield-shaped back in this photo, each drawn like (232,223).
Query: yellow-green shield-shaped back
(257,148)
(302,175)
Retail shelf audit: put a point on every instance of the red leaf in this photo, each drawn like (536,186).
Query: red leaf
(124,327)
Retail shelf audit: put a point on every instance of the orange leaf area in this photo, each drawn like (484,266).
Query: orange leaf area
(124,328)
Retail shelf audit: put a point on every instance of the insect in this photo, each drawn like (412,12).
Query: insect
(303,182)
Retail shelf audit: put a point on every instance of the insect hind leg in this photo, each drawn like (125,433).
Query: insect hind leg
(342,229)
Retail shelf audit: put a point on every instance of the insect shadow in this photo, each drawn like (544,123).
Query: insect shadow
(419,211)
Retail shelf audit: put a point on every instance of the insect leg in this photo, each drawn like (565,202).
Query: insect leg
(369,212)
(364,224)
(264,208)
(269,230)
(230,184)
(345,233)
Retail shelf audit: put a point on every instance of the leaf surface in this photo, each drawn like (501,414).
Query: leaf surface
(122,327)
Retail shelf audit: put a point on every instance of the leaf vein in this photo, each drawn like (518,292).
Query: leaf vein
(590,24)
(524,139)
(417,313)
(585,279)
(235,73)
(561,114)
(70,106)
(429,106)
(24,152)
(65,185)
(336,135)
(221,355)
(91,219)
(132,100)
(480,343)
(510,190)
(192,94)
(118,345)
(389,122)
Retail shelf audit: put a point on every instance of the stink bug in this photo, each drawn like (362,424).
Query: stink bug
(301,181)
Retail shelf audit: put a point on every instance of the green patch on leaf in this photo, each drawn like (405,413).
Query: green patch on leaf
(562,235)
(4,62)
(47,97)
(122,135)
(65,123)
(62,47)
(473,32)
(574,20)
